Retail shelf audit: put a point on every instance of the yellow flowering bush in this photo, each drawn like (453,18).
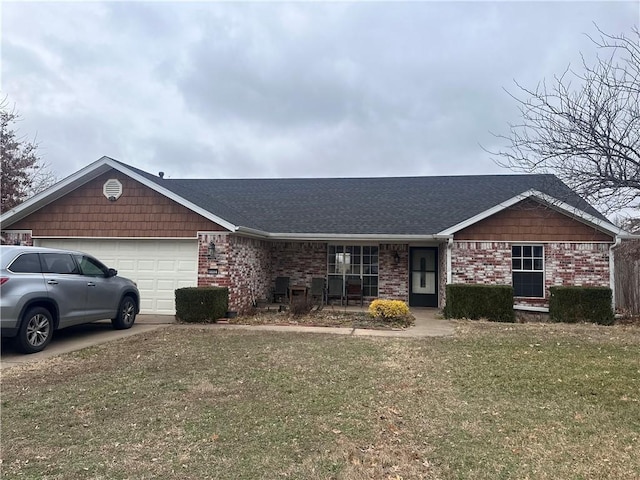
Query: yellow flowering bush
(388,309)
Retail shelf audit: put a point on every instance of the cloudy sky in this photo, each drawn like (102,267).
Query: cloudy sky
(304,89)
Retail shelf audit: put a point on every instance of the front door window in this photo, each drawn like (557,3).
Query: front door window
(423,277)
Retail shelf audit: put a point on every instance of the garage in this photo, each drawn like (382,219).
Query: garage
(157,266)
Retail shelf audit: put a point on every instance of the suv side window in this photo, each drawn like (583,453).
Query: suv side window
(58,263)
(26,263)
(91,267)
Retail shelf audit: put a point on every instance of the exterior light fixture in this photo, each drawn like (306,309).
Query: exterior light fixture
(396,257)
(211,250)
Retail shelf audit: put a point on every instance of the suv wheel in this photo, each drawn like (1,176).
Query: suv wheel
(36,330)
(126,314)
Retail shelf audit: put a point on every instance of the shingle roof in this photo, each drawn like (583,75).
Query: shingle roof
(387,206)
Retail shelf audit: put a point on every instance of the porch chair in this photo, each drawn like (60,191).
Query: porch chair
(282,289)
(317,290)
(335,290)
(354,290)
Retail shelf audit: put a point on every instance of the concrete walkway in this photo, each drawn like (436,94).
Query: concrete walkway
(428,324)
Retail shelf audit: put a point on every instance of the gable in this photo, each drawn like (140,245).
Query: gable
(138,212)
(529,220)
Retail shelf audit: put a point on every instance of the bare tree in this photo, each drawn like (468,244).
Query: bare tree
(585,126)
(22,172)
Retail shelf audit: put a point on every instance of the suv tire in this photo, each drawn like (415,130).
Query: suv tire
(126,314)
(36,330)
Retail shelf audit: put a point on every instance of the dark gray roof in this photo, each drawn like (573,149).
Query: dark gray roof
(385,205)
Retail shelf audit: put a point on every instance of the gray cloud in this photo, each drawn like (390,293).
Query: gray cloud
(285,89)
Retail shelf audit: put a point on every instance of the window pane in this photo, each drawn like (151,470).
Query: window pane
(27,263)
(526,251)
(527,264)
(537,264)
(528,284)
(516,264)
(91,267)
(355,261)
(516,251)
(537,251)
(58,263)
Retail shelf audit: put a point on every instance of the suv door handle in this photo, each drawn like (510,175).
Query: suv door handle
(91,284)
(52,282)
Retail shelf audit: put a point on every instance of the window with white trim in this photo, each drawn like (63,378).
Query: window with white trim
(527,267)
(355,261)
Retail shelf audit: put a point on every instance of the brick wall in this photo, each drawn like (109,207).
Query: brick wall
(442,274)
(481,262)
(17,238)
(300,261)
(393,279)
(582,264)
(244,265)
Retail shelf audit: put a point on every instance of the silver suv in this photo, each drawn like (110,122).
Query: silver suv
(44,289)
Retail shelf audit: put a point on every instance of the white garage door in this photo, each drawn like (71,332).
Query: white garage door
(157,266)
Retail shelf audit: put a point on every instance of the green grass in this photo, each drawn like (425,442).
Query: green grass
(494,401)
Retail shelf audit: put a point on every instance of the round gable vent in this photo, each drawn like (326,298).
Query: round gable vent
(112,189)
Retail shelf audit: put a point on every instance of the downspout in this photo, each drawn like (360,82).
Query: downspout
(449,255)
(612,280)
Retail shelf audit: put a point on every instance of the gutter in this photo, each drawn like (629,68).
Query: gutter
(372,237)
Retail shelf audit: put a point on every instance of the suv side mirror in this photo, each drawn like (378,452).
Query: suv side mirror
(112,272)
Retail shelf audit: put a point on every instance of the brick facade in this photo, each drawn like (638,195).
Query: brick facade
(393,278)
(300,261)
(243,265)
(565,263)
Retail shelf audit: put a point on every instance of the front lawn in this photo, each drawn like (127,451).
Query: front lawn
(189,402)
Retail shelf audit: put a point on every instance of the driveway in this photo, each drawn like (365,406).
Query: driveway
(79,337)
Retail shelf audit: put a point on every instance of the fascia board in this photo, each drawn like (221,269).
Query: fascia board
(549,201)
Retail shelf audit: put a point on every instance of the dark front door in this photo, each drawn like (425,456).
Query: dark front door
(423,277)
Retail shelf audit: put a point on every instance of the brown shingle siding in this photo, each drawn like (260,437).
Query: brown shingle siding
(139,212)
(531,221)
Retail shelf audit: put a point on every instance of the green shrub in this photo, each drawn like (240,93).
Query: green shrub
(201,304)
(493,302)
(581,304)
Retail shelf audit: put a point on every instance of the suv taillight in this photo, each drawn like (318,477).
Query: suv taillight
(3,280)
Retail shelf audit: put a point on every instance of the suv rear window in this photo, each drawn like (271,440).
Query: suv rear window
(26,263)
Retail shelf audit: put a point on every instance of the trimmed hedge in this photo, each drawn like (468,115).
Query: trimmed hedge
(581,304)
(201,304)
(493,302)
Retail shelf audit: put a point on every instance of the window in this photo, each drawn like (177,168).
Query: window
(355,261)
(527,266)
(26,263)
(61,263)
(91,267)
